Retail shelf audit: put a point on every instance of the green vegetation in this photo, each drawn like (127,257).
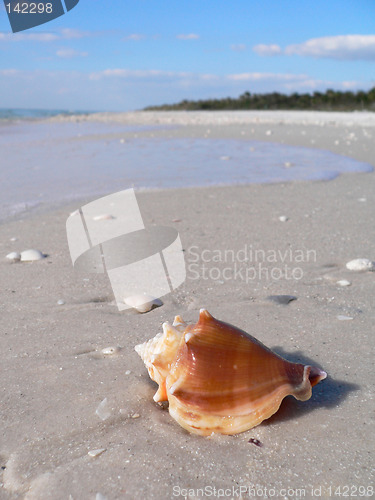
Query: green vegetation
(331,100)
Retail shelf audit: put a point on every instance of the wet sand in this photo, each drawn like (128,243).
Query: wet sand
(54,375)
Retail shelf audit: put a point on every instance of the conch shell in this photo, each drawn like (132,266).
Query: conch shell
(219,379)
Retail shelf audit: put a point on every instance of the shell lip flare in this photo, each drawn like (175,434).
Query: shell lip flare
(316,375)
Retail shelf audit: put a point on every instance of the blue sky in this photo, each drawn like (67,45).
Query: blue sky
(120,55)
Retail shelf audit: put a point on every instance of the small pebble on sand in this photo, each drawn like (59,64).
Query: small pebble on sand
(282,299)
(256,442)
(283,218)
(60,302)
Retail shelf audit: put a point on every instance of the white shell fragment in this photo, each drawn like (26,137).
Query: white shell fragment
(143,303)
(103,410)
(31,255)
(343,283)
(109,351)
(344,318)
(361,265)
(283,218)
(96,453)
(15,256)
(104,217)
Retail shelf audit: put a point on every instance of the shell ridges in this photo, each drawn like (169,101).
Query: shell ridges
(217,378)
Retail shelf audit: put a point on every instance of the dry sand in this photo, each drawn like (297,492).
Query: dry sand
(54,375)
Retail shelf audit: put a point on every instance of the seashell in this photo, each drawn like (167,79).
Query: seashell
(341,317)
(219,379)
(143,302)
(14,256)
(31,255)
(103,217)
(96,453)
(109,351)
(361,265)
(343,283)
(103,411)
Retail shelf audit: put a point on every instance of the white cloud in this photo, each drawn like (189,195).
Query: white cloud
(342,47)
(65,33)
(138,74)
(251,77)
(350,85)
(189,36)
(9,72)
(37,37)
(69,53)
(267,50)
(238,47)
(135,37)
(122,89)
(260,82)
(70,33)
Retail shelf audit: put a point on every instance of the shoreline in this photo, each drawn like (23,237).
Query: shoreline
(345,118)
(55,324)
(324,132)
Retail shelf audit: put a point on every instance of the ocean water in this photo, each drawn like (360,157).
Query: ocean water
(12,114)
(51,163)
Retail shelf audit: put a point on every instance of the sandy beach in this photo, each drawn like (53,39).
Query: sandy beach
(55,324)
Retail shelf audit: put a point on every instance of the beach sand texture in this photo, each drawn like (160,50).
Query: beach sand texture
(55,323)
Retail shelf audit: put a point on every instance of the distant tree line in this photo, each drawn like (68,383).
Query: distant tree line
(330,100)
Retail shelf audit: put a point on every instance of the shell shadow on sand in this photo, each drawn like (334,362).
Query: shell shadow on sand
(328,394)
